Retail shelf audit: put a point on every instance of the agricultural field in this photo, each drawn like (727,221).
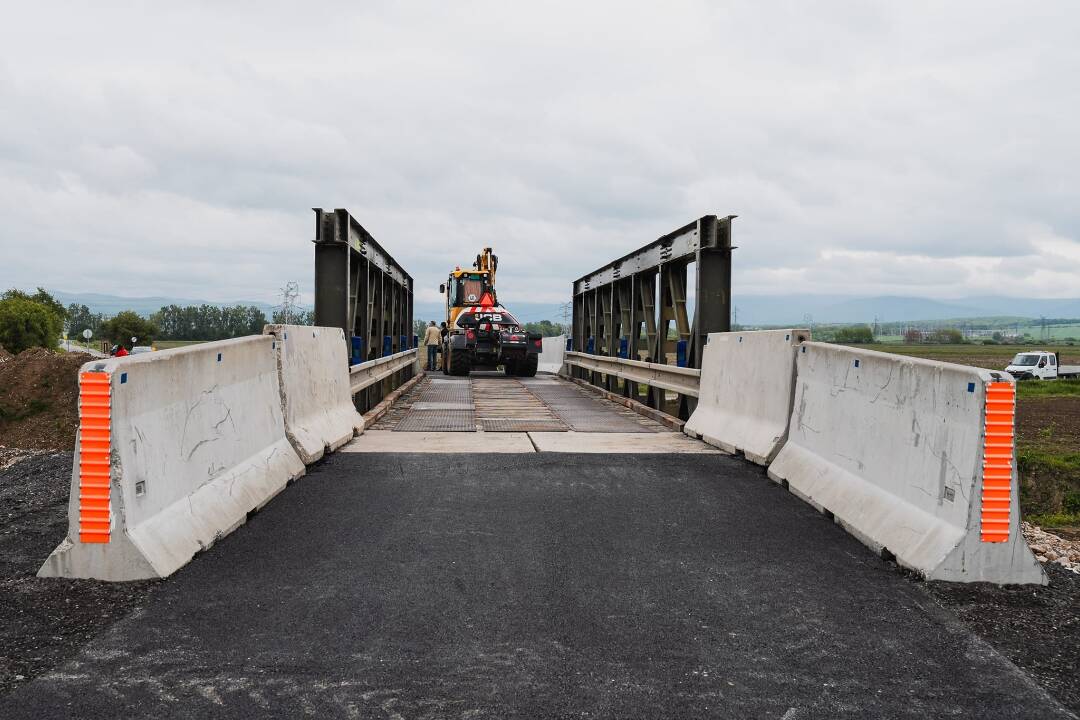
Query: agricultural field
(993,357)
(1048,430)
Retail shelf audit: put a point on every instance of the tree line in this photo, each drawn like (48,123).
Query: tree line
(207,322)
(38,320)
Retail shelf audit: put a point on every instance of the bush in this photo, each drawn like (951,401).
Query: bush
(26,324)
(127,324)
(41,297)
(858,334)
(948,336)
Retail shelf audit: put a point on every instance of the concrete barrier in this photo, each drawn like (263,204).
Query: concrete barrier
(913,457)
(552,353)
(744,400)
(175,448)
(316,400)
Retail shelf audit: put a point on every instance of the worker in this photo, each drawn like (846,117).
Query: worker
(432,340)
(443,332)
(119,351)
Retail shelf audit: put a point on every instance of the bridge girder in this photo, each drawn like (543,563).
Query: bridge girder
(640,296)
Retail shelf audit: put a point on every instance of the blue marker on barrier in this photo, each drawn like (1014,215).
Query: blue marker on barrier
(357,350)
(589,346)
(386,345)
(404,340)
(570,344)
(624,348)
(680,353)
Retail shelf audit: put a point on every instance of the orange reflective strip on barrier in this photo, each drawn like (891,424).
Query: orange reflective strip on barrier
(95,436)
(998,461)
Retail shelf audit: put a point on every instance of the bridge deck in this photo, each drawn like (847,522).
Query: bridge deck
(490,412)
(493,402)
(541,585)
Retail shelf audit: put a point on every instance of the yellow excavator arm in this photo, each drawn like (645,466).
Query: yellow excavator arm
(489,262)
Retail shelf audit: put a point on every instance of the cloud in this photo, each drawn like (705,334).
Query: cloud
(918,148)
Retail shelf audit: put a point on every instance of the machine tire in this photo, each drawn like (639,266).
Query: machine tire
(443,359)
(510,368)
(528,367)
(460,362)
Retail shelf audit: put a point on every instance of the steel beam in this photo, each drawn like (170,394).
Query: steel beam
(360,288)
(655,277)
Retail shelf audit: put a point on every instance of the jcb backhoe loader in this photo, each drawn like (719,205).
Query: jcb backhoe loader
(483,334)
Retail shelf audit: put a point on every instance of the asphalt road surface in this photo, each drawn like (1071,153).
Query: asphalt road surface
(536,585)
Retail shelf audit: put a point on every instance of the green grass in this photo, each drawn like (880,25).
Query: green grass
(1054,520)
(1049,486)
(1048,388)
(1068,462)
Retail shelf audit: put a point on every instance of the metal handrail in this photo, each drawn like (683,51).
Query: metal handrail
(368,373)
(685,381)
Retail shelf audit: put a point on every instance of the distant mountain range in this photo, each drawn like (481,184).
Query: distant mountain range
(794,309)
(751,309)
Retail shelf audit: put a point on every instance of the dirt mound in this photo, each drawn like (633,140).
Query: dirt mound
(39,399)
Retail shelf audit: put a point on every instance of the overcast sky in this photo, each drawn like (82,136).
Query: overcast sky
(917,148)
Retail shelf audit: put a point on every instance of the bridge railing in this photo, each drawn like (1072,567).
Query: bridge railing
(371,381)
(682,380)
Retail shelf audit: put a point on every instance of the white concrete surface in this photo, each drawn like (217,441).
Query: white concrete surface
(892,446)
(316,399)
(439,442)
(198,441)
(744,398)
(551,355)
(578,442)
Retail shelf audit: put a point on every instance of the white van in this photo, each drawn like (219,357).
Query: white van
(1034,365)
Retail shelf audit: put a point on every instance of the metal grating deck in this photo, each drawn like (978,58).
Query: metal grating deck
(437,421)
(521,425)
(446,391)
(583,412)
(495,403)
(504,404)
